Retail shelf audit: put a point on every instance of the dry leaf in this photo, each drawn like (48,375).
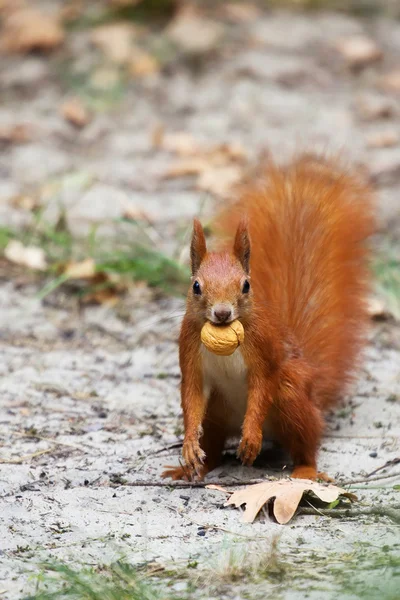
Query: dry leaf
(193,33)
(27,29)
(107,296)
(220,181)
(142,64)
(86,269)
(385,139)
(378,309)
(25,202)
(287,494)
(17,134)
(187,166)
(74,111)
(72,10)
(28,256)
(217,166)
(181,143)
(114,40)
(135,213)
(240,12)
(359,51)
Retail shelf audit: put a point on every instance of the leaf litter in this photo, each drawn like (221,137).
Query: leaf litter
(218,168)
(26,29)
(287,494)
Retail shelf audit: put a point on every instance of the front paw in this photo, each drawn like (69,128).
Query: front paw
(193,455)
(177,473)
(249,448)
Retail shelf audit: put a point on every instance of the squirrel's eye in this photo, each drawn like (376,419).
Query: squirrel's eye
(197,288)
(246,287)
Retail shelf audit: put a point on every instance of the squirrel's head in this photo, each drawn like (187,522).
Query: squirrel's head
(221,290)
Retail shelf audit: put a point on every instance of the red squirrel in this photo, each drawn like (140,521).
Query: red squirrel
(296,277)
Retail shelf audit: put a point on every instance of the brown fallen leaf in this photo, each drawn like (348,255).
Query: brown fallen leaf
(27,29)
(86,269)
(134,213)
(114,40)
(141,64)
(74,111)
(193,33)
(385,139)
(378,310)
(71,10)
(241,12)
(220,181)
(359,51)
(181,143)
(97,287)
(15,134)
(287,494)
(186,166)
(28,256)
(25,202)
(106,296)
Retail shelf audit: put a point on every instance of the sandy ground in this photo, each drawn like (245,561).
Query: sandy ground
(102,391)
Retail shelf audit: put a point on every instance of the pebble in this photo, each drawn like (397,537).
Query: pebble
(373,454)
(359,51)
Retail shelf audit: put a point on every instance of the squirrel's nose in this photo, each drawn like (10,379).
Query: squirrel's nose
(222,313)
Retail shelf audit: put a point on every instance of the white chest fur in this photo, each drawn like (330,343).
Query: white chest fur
(228,375)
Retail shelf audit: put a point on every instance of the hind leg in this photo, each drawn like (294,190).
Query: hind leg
(212,443)
(297,421)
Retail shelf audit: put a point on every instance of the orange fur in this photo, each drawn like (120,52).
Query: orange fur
(304,228)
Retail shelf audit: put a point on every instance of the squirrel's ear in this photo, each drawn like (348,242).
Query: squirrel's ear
(241,247)
(198,246)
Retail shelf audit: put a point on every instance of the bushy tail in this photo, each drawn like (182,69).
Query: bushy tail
(309,223)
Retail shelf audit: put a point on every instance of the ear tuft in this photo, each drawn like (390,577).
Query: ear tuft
(241,247)
(198,247)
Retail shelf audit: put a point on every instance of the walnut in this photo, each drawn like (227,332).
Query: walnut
(222,339)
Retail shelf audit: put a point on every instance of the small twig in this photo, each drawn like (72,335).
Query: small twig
(353,437)
(188,484)
(52,441)
(165,376)
(392,512)
(165,449)
(389,463)
(317,510)
(18,461)
(366,479)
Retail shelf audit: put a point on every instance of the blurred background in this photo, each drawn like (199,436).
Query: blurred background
(121,120)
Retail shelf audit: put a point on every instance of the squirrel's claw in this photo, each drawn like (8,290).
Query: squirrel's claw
(249,449)
(184,473)
(176,473)
(193,455)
